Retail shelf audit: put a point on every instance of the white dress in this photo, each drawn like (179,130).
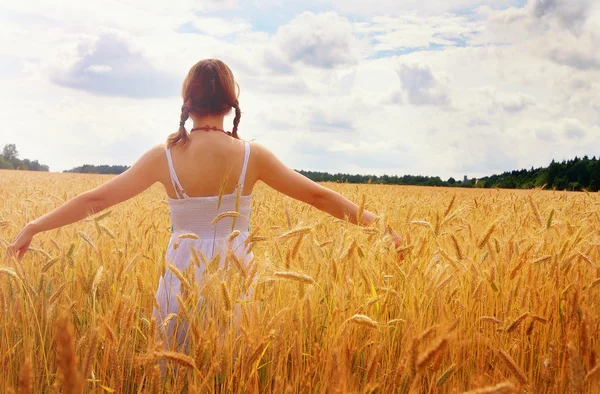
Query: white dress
(194,215)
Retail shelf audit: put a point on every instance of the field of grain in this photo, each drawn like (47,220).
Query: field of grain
(498,292)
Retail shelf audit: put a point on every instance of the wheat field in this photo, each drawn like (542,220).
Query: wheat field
(494,291)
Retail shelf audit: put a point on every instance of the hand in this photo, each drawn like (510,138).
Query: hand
(396,240)
(21,243)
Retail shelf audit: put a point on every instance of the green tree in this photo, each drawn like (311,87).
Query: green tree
(5,164)
(561,183)
(552,173)
(9,160)
(10,152)
(595,176)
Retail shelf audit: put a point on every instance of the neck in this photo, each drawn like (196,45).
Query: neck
(210,120)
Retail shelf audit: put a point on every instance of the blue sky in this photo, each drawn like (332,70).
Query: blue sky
(448,88)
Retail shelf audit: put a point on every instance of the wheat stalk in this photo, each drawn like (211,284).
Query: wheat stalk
(431,353)
(297,276)
(513,326)
(361,209)
(487,236)
(363,320)
(9,272)
(233,235)
(593,374)
(227,303)
(300,231)
(179,358)
(237,263)
(188,236)
(502,388)
(91,353)
(223,215)
(66,359)
(445,375)
(513,367)
(26,378)
(535,211)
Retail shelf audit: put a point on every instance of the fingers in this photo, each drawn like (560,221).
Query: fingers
(397,241)
(15,253)
(10,251)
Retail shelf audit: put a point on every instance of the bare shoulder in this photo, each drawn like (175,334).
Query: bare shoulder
(153,157)
(259,151)
(158,149)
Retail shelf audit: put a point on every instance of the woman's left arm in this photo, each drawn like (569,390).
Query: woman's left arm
(139,177)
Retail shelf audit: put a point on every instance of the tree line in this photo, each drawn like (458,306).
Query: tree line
(9,160)
(103,169)
(575,175)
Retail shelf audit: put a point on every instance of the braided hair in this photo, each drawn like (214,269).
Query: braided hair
(208,89)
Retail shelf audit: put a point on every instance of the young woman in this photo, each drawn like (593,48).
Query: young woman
(195,169)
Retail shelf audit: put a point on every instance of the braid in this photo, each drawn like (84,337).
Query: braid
(181,134)
(236,120)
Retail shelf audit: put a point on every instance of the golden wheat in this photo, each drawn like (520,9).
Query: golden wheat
(363,320)
(297,276)
(223,215)
(324,306)
(513,367)
(502,388)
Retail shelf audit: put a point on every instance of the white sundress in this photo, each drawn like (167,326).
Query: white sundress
(194,215)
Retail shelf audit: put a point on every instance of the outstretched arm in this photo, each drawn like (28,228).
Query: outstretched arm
(130,183)
(287,181)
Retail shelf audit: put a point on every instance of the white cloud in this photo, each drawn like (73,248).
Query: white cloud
(412,31)
(580,52)
(109,65)
(573,129)
(98,68)
(218,27)
(421,86)
(570,13)
(545,135)
(319,40)
(394,7)
(514,102)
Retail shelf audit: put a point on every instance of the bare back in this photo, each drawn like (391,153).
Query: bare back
(209,161)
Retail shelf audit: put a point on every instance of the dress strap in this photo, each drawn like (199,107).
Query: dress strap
(179,190)
(244,166)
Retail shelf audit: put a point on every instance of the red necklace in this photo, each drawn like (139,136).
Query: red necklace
(209,128)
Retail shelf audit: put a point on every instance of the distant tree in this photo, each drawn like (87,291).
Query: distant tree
(552,173)
(10,152)
(24,165)
(451,181)
(9,160)
(561,183)
(5,164)
(595,175)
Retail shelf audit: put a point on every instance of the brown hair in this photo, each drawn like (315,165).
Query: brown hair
(208,89)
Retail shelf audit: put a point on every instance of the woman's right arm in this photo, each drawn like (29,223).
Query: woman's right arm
(287,181)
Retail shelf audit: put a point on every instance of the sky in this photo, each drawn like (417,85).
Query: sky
(425,87)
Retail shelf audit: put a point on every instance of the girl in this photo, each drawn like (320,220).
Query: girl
(195,169)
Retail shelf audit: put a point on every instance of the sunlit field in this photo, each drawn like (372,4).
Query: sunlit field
(494,291)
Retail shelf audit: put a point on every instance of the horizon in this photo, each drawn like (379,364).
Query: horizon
(458,179)
(447,88)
